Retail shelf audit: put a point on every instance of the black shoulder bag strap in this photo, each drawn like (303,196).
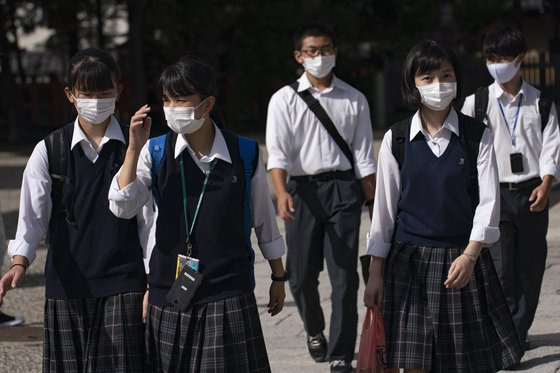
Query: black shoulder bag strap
(481,103)
(321,114)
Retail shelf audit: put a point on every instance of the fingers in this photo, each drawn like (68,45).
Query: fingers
(452,276)
(534,194)
(145,307)
(286,208)
(17,277)
(539,204)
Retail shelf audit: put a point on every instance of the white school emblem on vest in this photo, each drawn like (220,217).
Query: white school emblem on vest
(461,161)
(234,179)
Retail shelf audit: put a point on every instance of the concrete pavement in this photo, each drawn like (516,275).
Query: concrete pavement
(21,347)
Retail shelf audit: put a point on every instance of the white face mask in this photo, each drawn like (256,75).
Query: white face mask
(319,66)
(181,119)
(95,110)
(503,72)
(438,96)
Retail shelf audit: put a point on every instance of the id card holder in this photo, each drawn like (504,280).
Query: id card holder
(183,260)
(516,161)
(184,288)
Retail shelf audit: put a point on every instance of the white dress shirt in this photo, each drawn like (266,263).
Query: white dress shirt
(35,201)
(540,149)
(388,191)
(136,198)
(298,143)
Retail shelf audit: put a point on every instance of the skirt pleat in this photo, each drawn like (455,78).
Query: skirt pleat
(94,335)
(220,336)
(437,329)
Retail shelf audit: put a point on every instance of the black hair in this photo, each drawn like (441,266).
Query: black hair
(313,29)
(93,70)
(424,57)
(504,42)
(190,76)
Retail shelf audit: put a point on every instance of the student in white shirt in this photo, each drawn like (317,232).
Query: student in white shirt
(94,273)
(435,211)
(322,201)
(528,158)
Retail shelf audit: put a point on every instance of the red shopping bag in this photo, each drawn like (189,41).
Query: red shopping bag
(372,354)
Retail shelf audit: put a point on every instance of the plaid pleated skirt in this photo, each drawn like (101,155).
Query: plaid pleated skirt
(437,329)
(94,335)
(221,336)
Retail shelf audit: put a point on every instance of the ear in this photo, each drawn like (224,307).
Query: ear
(209,104)
(119,90)
(520,59)
(68,93)
(298,56)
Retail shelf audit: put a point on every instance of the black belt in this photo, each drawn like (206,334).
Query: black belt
(326,176)
(522,185)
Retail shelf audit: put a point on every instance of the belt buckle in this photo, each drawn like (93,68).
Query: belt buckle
(513,186)
(313,178)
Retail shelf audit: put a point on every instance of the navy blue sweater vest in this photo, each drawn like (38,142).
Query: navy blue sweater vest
(435,208)
(100,255)
(219,240)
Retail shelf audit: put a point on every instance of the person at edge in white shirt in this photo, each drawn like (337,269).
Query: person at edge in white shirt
(188,93)
(528,159)
(431,234)
(94,267)
(321,203)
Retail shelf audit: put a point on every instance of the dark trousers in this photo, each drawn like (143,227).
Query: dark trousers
(520,256)
(326,226)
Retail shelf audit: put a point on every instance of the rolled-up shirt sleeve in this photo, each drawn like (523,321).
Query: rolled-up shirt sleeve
(362,143)
(278,136)
(35,205)
(550,155)
(269,239)
(387,194)
(487,214)
(128,201)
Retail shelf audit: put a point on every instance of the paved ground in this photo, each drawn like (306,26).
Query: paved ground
(20,347)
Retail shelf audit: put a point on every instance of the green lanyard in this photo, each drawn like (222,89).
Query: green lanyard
(188,231)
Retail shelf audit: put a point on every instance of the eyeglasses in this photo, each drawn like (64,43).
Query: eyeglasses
(314,52)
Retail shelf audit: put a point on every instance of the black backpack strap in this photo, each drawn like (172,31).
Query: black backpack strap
(471,132)
(321,114)
(58,149)
(398,142)
(545,104)
(481,103)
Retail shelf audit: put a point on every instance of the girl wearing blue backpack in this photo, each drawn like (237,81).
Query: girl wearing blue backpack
(436,209)
(205,188)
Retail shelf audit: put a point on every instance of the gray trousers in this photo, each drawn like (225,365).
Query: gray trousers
(326,227)
(520,256)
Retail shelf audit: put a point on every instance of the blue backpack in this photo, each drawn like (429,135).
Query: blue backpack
(248,150)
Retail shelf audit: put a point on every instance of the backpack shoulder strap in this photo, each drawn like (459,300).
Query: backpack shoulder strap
(398,142)
(58,152)
(472,134)
(545,104)
(249,152)
(481,103)
(156,147)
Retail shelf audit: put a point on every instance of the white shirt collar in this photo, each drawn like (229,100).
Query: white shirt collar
(113,132)
(219,148)
(304,84)
(499,92)
(451,123)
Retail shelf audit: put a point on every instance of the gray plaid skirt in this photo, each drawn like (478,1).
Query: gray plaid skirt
(437,329)
(94,335)
(220,336)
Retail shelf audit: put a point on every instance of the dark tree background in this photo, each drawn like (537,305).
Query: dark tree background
(248,42)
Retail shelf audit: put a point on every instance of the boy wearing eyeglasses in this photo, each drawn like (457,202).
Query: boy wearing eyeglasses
(319,134)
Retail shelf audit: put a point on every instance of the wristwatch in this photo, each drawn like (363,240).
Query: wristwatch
(281,278)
